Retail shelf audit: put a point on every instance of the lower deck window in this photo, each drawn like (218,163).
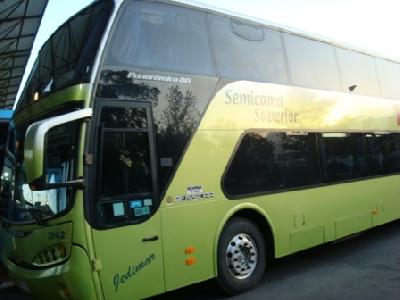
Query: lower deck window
(257,165)
(343,156)
(271,161)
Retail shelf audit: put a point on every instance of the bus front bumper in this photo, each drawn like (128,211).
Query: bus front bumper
(70,280)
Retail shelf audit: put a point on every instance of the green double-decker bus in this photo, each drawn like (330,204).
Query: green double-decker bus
(160,143)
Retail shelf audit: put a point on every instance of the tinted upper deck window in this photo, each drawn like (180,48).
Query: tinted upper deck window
(358,69)
(247,51)
(161,37)
(312,64)
(389,74)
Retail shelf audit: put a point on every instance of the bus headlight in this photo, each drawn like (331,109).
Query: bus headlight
(50,256)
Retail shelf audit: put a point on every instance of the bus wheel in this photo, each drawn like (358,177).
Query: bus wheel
(241,256)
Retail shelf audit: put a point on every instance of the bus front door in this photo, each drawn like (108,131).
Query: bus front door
(127,238)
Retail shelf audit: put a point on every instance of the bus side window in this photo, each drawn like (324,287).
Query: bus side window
(390,144)
(375,158)
(249,52)
(312,64)
(300,159)
(256,166)
(343,156)
(383,153)
(360,69)
(388,73)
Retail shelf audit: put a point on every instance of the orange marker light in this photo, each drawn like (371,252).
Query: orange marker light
(190,261)
(64,291)
(190,250)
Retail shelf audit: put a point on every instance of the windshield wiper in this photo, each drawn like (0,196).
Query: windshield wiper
(37,215)
(34,214)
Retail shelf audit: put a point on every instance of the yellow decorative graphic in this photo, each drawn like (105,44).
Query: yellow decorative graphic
(242,105)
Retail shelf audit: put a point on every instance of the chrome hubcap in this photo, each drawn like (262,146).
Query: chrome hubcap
(241,256)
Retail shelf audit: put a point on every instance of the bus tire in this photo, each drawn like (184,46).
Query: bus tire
(241,256)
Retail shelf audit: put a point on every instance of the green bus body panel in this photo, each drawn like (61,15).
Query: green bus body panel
(130,267)
(79,92)
(306,238)
(48,284)
(351,224)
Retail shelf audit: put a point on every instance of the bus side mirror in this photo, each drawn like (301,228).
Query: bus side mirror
(35,142)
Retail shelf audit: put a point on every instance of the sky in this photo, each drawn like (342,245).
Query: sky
(371,25)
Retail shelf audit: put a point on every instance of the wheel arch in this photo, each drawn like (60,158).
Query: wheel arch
(255,214)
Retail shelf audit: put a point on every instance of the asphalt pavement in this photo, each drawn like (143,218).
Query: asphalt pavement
(363,267)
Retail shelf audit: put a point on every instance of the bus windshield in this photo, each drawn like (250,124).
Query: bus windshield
(67,57)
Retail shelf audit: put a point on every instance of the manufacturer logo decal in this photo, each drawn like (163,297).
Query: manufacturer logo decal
(161,78)
(194,192)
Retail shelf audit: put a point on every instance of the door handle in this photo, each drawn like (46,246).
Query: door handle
(150,239)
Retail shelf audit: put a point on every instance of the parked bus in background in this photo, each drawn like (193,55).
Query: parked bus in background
(5,116)
(160,143)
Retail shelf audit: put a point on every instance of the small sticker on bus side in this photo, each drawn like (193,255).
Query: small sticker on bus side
(147,202)
(194,192)
(166,162)
(118,209)
(135,203)
(141,211)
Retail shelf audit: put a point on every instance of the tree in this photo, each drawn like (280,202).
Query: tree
(181,115)
(117,84)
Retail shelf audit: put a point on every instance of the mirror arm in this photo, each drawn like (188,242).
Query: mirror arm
(78,183)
